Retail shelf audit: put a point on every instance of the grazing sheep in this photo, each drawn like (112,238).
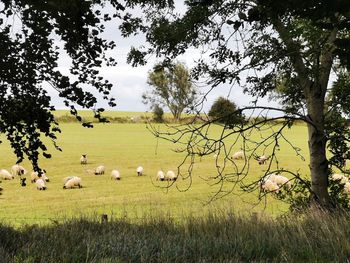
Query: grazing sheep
(35,176)
(139,170)
(281,180)
(83,159)
(238,155)
(40,184)
(262,159)
(160,176)
(18,170)
(67,179)
(99,170)
(268,185)
(171,176)
(73,182)
(347,188)
(115,175)
(278,179)
(340,177)
(6,175)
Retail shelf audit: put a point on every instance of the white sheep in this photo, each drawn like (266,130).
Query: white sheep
(6,175)
(139,171)
(281,180)
(267,185)
(262,159)
(347,188)
(99,170)
(278,179)
(83,159)
(170,175)
(35,176)
(238,155)
(18,170)
(115,174)
(73,182)
(40,184)
(340,177)
(160,176)
(67,179)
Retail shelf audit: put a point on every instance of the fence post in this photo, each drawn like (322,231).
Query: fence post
(104,218)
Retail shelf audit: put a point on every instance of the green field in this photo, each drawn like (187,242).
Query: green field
(124,147)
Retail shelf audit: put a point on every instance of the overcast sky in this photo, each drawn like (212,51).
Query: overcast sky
(130,82)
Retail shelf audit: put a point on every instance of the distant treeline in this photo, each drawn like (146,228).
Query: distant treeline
(65,117)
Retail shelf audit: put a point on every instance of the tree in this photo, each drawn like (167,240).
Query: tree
(158,113)
(292,43)
(225,111)
(33,34)
(171,87)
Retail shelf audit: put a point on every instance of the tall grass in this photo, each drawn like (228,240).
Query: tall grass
(225,237)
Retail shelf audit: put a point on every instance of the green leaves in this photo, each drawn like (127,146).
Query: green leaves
(171,87)
(29,60)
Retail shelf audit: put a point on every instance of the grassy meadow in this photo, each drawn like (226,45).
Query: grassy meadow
(125,146)
(148,221)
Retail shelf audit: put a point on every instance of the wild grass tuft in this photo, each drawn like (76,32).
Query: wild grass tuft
(312,237)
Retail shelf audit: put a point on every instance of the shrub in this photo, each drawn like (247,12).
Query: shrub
(158,113)
(226,112)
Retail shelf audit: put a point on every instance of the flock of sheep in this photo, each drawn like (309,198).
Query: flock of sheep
(272,182)
(70,182)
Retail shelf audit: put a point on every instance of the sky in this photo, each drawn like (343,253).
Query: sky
(129,83)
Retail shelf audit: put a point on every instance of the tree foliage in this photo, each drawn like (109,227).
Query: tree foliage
(171,87)
(33,35)
(158,113)
(286,50)
(225,111)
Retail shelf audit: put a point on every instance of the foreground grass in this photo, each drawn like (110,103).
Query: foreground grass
(217,237)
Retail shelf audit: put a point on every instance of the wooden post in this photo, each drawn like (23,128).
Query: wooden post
(104,218)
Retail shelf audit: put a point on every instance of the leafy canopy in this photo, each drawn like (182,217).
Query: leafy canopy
(284,49)
(171,87)
(33,35)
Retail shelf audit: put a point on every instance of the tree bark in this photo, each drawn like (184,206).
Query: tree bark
(317,148)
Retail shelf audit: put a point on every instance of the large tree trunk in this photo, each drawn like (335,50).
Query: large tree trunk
(317,148)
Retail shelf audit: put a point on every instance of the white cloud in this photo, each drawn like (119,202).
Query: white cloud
(130,82)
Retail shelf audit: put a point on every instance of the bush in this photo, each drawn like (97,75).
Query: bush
(226,112)
(158,113)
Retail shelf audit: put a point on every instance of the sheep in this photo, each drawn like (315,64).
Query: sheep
(281,180)
(160,176)
(6,175)
(170,175)
(99,170)
(83,159)
(139,171)
(40,184)
(67,179)
(115,175)
(73,182)
(340,177)
(347,188)
(238,155)
(262,159)
(267,185)
(18,170)
(278,179)
(35,176)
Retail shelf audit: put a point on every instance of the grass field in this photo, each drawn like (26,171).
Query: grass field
(124,147)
